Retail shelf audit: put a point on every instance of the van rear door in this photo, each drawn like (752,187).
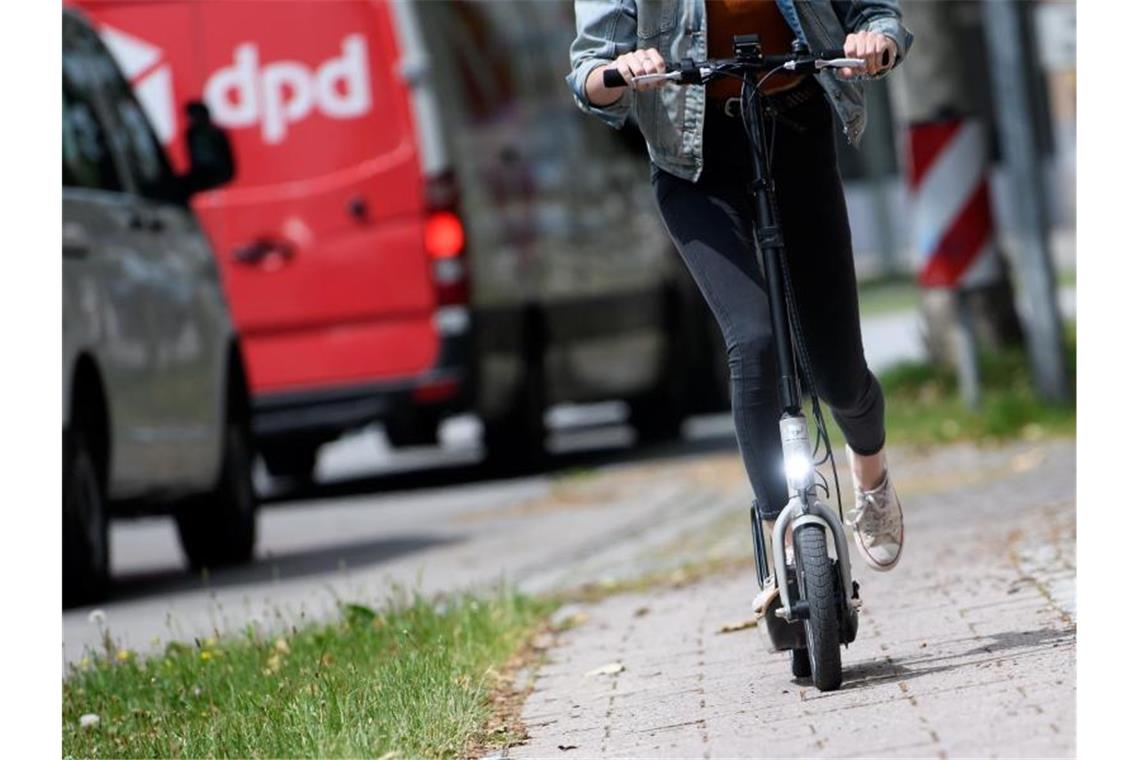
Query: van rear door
(320,237)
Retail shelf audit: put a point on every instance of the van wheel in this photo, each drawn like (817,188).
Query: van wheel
(86,548)
(293,460)
(715,384)
(516,441)
(657,415)
(412,429)
(220,528)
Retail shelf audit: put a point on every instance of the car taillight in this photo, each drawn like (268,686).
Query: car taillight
(445,241)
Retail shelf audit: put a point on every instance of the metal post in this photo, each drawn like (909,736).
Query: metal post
(1037,294)
(966,338)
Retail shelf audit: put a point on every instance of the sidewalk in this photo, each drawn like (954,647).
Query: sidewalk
(966,649)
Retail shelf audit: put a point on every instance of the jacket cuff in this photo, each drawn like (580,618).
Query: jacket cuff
(889,26)
(615,113)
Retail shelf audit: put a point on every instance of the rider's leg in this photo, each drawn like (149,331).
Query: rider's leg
(818,241)
(709,222)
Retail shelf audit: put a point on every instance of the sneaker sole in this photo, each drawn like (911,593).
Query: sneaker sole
(873,563)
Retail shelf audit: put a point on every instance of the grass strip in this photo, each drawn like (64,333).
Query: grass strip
(924,406)
(413,680)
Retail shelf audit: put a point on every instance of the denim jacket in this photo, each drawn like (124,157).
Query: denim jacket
(671,118)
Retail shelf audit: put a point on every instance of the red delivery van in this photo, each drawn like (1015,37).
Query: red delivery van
(414,226)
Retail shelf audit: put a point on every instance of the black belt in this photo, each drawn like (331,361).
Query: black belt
(778,102)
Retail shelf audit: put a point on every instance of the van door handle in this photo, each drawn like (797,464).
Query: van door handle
(261,250)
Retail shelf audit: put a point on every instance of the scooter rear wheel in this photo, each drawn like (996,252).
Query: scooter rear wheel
(816,576)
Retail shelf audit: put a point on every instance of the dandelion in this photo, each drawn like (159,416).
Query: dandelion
(97,617)
(206,655)
(123,655)
(85,663)
(90,720)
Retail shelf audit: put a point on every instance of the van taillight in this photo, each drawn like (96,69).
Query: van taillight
(443,235)
(445,241)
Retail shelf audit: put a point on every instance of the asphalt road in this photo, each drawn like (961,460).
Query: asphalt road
(428,519)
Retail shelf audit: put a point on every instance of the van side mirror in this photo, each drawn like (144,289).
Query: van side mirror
(211,153)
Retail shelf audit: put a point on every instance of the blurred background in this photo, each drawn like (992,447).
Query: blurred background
(371,253)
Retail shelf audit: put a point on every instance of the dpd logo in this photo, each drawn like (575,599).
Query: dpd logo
(285,92)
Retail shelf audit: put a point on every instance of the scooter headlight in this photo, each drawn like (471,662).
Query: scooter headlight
(798,467)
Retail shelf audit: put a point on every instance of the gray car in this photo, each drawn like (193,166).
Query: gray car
(155,402)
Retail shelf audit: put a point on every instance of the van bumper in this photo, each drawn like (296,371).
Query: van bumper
(328,412)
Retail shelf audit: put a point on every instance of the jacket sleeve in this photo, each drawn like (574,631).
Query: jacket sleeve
(882,16)
(605,30)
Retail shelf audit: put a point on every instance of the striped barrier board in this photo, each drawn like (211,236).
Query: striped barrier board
(949,187)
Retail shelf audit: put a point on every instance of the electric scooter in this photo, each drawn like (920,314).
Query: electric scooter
(818,608)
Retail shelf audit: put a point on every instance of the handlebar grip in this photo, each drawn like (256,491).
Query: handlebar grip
(613,78)
(839,53)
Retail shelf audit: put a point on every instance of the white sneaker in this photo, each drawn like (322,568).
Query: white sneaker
(877,520)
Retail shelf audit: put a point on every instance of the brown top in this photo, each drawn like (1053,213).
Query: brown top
(730,17)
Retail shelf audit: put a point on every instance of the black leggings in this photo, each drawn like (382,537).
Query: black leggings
(710,222)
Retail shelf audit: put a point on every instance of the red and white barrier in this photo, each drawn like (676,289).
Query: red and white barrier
(949,186)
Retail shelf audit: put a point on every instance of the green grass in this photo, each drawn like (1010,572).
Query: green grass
(924,407)
(415,680)
(885,296)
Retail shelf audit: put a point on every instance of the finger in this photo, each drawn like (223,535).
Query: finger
(846,73)
(849,46)
(627,74)
(656,59)
(861,45)
(874,56)
(635,70)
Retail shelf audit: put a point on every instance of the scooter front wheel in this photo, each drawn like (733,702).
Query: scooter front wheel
(816,576)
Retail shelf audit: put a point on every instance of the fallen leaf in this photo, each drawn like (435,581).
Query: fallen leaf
(612,669)
(733,627)
(641,612)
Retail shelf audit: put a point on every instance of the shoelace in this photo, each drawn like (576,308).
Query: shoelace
(872,514)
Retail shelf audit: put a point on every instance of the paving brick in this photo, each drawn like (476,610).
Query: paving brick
(966,649)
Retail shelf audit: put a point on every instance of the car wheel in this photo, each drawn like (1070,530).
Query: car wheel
(221,528)
(86,548)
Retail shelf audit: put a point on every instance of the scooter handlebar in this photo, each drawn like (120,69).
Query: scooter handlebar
(612,78)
